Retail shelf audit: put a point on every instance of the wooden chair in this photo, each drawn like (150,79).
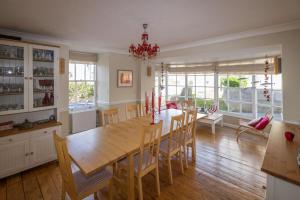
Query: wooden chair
(189,136)
(110,116)
(172,145)
(75,183)
(143,110)
(188,105)
(132,111)
(243,127)
(146,160)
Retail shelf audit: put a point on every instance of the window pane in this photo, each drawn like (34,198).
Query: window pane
(200,92)
(277,97)
(85,92)
(171,92)
(163,92)
(261,110)
(277,112)
(180,93)
(191,93)
(277,81)
(191,81)
(232,81)
(90,72)
(261,80)
(234,94)
(90,92)
(181,80)
(200,102)
(245,81)
(156,91)
(156,81)
(72,92)
(80,68)
(222,83)
(209,80)
(209,102)
(199,80)
(222,93)
(223,105)
(246,94)
(247,109)
(171,80)
(261,99)
(71,71)
(234,107)
(209,93)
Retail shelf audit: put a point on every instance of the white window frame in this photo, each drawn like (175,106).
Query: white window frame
(216,95)
(85,81)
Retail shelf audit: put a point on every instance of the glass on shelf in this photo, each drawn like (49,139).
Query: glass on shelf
(11,52)
(43,78)
(11,78)
(43,55)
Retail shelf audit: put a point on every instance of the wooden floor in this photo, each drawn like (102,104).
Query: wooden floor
(224,169)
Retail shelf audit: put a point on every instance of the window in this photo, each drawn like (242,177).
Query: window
(158,90)
(237,94)
(176,87)
(244,95)
(82,84)
(275,90)
(201,88)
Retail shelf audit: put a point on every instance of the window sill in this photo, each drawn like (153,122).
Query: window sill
(81,107)
(230,114)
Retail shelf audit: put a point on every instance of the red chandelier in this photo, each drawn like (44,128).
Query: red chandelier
(145,50)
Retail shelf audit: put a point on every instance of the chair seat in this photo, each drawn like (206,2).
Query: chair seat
(245,124)
(164,147)
(84,183)
(124,163)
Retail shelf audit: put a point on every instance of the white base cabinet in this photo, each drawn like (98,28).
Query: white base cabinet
(26,150)
(278,189)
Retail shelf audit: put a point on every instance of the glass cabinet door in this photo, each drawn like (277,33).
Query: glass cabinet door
(43,68)
(13,94)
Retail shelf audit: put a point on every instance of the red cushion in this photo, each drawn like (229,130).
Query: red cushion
(254,122)
(171,105)
(263,123)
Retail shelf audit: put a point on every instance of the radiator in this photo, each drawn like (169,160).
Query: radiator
(83,120)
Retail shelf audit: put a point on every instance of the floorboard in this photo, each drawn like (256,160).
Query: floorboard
(224,170)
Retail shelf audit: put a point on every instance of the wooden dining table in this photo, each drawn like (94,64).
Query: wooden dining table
(95,149)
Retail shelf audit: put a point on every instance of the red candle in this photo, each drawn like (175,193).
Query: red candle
(153,105)
(159,103)
(146,103)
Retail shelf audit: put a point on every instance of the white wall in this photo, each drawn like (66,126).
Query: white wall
(290,45)
(63,101)
(122,62)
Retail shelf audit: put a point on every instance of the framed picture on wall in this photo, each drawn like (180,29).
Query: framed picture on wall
(125,78)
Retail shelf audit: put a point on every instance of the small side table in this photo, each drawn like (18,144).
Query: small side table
(213,119)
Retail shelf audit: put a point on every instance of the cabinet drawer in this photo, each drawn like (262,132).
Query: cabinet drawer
(43,132)
(13,138)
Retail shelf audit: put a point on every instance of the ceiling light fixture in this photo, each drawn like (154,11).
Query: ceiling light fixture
(145,50)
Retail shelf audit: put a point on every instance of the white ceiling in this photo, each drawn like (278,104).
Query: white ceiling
(114,24)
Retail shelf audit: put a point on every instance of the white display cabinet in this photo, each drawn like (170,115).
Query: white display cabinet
(28,77)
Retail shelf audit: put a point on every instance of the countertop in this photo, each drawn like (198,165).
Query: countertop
(280,157)
(15,131)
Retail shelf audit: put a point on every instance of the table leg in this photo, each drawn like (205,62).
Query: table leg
(222,123)
(213,128)
(130,180)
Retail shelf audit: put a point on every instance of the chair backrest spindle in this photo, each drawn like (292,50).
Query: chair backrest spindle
(65,165)
(149,146)
(110,116)
(132,111)
(176,128)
